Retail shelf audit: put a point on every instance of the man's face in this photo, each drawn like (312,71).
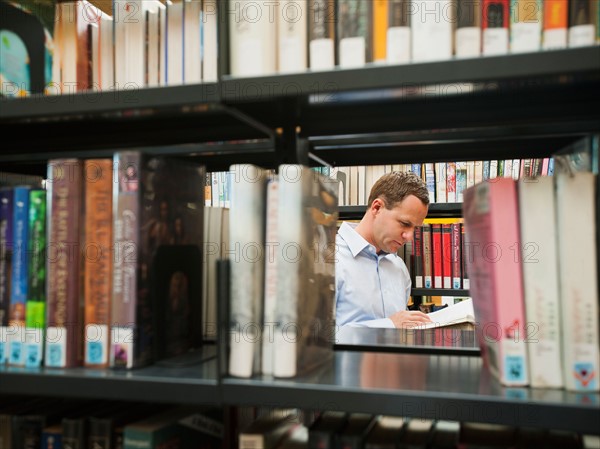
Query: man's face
(392,228)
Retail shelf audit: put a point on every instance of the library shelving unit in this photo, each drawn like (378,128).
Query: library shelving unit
(512,106)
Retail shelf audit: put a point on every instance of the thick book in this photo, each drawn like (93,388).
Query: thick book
(495,27)
(64,342)
(398,39)
(321,34)
(541,291)
(246,252)
(308,206)
(97,277)
(491,217)
(35,305)
(157,267)
(576,204)
(460,315)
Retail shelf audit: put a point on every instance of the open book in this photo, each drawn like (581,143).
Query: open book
(459,316)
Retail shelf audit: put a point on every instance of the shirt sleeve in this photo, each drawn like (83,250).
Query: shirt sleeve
(380,322)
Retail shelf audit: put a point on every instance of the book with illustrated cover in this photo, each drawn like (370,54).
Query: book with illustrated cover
(157,219)
(305,270)
(492,236)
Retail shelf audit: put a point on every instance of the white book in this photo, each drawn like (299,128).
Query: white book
(174,44)
(321,31)
(540,281)
(246,253)
(398,45)
(432,30)
(526,26)
(305,270)
(292,36)
(440,182)
(582,35)
(107,59)
(271,248)
(209,41)
(252,38)
(192,38)
(578,279)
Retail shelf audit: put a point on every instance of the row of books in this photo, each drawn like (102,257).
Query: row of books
(113,244)
(282,236)
(436,256)
(44,423)
(142,43)
(532,264)
(446,181)
(282,429)
(292,36)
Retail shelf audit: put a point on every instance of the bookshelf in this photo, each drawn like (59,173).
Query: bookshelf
(528,105)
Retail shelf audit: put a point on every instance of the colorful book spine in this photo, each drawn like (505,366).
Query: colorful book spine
(97,261)
(19,280)
(526,25)
(556,22)
(6,245)
(436,241)
(457,256)
(63,332)
(428,255)
(35,314)
(447,255)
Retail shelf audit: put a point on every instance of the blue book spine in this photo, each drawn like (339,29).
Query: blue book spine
(19,278)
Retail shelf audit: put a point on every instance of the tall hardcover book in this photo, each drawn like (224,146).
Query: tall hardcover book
(321,34)
(539,235)
(35,306)
(305,270)
(495,27)
(398,39)
(64,342)
(19,276)
(576,204)
(6,246)
(157,267)
(97,277)
(582,26)
(526,25)
(491,216)
(468,30)
(432,30)
(354,32)
(556,21)
(252,38)
(292,44)
(246,252)
(380,27)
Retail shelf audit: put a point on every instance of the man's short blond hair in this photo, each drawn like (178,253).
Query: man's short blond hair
(393,187)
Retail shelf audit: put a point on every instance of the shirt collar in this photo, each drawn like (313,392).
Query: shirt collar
(354,240)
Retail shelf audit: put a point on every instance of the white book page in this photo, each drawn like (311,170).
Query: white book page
(457,313)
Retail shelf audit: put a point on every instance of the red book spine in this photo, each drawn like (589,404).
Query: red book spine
(456,255)
(436,236)
(447,255)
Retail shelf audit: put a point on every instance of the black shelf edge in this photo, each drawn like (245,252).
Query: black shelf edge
(454,393)
(439,292)
(325,85)
(129,102)
(436,210)
(189,385)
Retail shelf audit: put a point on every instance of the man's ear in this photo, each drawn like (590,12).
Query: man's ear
(377,205)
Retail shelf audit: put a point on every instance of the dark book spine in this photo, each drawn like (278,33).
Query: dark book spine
(399,13)
(63,333)
(6,244)
(126,213)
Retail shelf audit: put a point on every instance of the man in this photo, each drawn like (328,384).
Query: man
(372,282)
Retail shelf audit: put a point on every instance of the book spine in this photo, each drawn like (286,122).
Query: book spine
(399,45)
(447,255)
(456,259)
(468,30)
(19,281)
(417,252)
(380,26)
(436,238)
(321,34)
(6,246)
(428,268)
(582,30)
(466,283)
(292,40)
(495,26)
(126,218)
(526,26)
(354,32)
(35,315)
(63,333)
(556,18)
(97,261)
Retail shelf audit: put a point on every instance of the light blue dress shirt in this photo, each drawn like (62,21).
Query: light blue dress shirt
(369,287)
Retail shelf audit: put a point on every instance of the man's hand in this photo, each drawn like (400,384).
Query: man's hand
(409,319)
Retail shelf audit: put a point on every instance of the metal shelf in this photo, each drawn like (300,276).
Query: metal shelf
(427,386)
(436,210)
(439,292)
